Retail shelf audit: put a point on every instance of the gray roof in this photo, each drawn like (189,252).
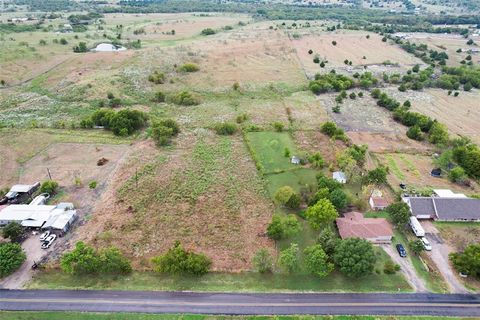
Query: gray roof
(446,208)
(422,206)
(457,209)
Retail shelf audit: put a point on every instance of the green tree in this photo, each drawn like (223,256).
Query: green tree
(83,259)
(457,174)
(321,214)
(468,261)
(329,128)
(415,133)
(355,257)
(178,260)
(163,130)
(399,213)
(416,246)
(328,239)
(338,198)
(11,258)
(329,183)
(263,261)
(208,31)
(377,176)
(438,134)
(112,261)
(316,261)
(322,193)
(283,227)
(288,258)
(13,231)
(287,197)
(316,160)
(49,187)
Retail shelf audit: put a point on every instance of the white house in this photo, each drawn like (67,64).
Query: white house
(340,177)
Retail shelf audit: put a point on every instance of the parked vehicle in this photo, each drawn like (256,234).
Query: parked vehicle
(401,250)
(44,236)
(426,244)
(48,242)
(416,227)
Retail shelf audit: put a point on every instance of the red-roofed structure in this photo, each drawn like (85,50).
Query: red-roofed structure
(354,225)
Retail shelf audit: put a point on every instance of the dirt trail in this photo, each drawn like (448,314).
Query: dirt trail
(439,255)
(407,269)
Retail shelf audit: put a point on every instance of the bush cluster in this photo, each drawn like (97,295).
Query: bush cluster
(163,130)
(121,123)
(157,77)
(330,82)
(178,260)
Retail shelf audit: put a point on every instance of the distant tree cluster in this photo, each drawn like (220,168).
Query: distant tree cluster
(121,123)
(330,82)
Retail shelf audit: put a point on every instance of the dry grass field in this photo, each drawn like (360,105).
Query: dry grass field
(204,192)
(448,43)
(351,45)
(460,114)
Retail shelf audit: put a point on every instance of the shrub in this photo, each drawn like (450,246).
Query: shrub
(178,260)
(12,231)
(63,41)
(157,77)
(334,42)
(389,267)
(225,128)
(208,31)
(241,118)
(457,174)
(283,227)
(415,133)
(278,126)
(262,260)
(286,196)
(12,257)
(185,98)
(126,121)
(164,130)
(189,67)
(92,184)
(289,257)
(353,95)
(49,187)
(468,261)
(81,47)
(316,160)
(159,96)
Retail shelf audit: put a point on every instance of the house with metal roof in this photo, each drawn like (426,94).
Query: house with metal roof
(444,209)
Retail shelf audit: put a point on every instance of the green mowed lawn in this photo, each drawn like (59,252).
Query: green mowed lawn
(268,149)
(29,315)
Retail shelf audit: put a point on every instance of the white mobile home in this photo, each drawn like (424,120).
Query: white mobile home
(416,227)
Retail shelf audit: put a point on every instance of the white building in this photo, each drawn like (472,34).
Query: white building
(108,47)
(340,177)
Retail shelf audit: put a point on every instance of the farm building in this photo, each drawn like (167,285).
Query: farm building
(340,176)
(446,193)
(295,160)
(108,47)
(377,203)
(354,225)
(57,217)
(444,209)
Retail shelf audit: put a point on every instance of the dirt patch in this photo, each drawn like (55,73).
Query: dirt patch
(315,141)
(388,142)
(205,192)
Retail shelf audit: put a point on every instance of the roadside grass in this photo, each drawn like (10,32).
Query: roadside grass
(433,279)
(269,148)
(223,282)
(58,315)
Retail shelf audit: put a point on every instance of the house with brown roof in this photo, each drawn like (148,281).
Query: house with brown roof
(378,203)
(354,225)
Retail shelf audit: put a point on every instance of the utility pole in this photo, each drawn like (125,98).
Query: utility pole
(49,175)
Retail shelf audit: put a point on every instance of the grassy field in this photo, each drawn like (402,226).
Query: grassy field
(26,315)
(228,282)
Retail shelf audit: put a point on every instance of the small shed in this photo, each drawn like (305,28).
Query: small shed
(340,177)
(377,203)
(295,160)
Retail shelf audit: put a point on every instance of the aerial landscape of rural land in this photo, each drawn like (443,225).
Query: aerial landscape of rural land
(240,159)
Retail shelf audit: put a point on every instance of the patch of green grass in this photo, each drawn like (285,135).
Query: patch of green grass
(410,165)
(297,179)
(225,282)
(268,149)
(54,315)
(394,167)
(377,214)
(433,281)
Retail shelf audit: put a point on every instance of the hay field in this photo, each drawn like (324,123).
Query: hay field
(351,45)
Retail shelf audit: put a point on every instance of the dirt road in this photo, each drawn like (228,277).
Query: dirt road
(439,255)
(407,269)
(32,249)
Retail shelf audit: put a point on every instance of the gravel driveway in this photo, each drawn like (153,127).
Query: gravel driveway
(407,269)
(439,255)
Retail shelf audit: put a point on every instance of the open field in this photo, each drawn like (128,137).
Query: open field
(204,192)
(315,141)
(351,45)
(448,43)
(414,170)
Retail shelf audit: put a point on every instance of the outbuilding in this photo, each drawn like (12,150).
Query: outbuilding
(339,176)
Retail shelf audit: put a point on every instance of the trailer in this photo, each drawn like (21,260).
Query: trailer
(416,227)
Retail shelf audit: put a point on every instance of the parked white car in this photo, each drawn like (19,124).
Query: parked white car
(44,236)
(48,242)
(426,244)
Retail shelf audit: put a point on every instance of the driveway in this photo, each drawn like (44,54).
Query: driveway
(407,269)
(32,249)
(439,255)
